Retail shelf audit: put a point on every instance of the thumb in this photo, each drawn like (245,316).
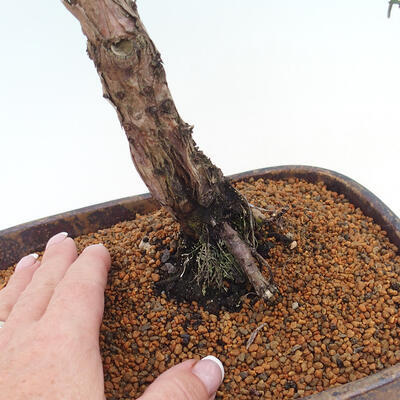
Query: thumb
(190,380)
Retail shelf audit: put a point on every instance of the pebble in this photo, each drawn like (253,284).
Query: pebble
(165,255)
(274,364)
(144,244)
(243,331)
(178,349)
(170,268)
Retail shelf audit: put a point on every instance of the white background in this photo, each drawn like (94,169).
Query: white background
(264,83)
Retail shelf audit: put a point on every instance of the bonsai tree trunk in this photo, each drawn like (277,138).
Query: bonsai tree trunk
(175,171)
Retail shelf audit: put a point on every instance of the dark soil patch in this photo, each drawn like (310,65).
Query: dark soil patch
(185,289)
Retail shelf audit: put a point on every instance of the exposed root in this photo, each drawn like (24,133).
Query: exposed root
(244,257)
(275,216)
(272,221)
(263,261)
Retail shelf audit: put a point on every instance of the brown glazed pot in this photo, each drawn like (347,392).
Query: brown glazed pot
(26,238)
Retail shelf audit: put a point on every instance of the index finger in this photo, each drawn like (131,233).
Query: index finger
(78,299)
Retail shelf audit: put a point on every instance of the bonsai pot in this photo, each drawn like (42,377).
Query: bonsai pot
(23,239)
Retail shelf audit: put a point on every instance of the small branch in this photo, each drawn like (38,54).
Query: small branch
(254,335)
(391,3)
(243,255)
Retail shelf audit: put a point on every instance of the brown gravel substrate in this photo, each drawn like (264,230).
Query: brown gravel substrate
(338,320)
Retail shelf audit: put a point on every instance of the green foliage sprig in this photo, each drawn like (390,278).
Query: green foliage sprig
(391,3)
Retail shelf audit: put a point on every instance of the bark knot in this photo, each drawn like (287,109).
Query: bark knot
(123,48)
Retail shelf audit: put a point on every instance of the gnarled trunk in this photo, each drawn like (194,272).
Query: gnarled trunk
(176,172)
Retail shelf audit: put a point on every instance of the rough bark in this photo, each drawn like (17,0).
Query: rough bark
(177,174)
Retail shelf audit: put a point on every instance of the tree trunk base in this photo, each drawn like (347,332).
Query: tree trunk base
(179,176)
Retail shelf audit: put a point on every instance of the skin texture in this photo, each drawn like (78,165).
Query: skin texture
(49,344)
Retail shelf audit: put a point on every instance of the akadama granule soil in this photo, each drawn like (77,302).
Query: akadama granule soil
(338,321)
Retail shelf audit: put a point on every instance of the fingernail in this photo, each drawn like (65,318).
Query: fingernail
(211,372)
(56,239)
(97,245)
(26,261)
(94,245)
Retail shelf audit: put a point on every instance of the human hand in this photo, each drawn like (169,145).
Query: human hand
(49,343)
